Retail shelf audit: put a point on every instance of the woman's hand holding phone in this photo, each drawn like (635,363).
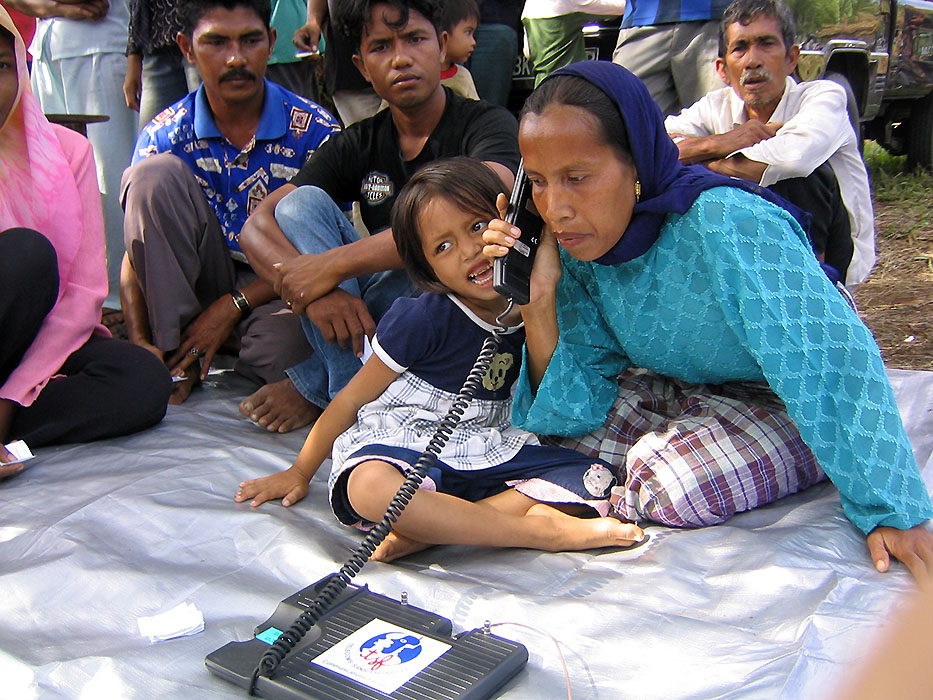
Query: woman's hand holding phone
(540,313)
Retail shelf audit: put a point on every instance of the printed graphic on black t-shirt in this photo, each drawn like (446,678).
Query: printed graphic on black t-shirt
(376,188)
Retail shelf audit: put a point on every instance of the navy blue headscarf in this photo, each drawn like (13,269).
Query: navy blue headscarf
(667,186)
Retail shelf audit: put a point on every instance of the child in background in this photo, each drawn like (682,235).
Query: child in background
(459,20)
(492,483)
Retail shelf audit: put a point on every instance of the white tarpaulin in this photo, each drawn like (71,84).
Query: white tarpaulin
(781,602)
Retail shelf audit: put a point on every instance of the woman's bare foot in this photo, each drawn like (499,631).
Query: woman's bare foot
(181,390)
(279,407)
(572,534)
(395,546)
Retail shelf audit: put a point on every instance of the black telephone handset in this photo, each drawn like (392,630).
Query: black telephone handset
(511,274)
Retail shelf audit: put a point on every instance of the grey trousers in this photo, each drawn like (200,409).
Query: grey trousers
(177,249)
(676,61)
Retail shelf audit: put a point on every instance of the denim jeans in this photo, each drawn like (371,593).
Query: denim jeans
(314,224)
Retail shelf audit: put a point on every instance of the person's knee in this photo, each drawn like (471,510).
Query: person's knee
(162,200)
(668,484)
(29,264)
(298,207)
(368,488)
(147,180)
(139,374)
(703,475)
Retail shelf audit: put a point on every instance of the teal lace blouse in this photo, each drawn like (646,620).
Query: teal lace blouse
(731,291)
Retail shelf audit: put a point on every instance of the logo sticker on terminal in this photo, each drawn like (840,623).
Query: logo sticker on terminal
(381,655)
(376,187)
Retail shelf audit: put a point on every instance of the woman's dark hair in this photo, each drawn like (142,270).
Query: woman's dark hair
(574,91)
(190,12)
(466,182)
(352,16)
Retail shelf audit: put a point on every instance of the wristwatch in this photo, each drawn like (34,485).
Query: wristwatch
(241,302)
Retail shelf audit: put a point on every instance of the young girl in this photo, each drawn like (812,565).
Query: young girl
(491,481)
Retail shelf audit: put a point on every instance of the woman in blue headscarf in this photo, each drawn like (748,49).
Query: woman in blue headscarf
(681,328)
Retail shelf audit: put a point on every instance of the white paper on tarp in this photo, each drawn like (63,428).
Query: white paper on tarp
(20,450)
(181,621)
(381,655)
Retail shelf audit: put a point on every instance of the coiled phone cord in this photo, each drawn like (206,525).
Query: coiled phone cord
(287,641)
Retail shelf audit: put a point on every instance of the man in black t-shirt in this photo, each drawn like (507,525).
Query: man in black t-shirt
(299,239)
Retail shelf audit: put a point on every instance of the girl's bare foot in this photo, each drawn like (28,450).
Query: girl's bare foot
(395,546)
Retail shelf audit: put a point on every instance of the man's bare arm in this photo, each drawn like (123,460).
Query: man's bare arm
(308,36)
(261,238)
(738,166)
(301,279)
(506,175)
(699,149)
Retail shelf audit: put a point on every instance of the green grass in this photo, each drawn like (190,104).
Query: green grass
(911,191)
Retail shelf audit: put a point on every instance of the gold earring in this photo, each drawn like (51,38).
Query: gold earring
(637,190)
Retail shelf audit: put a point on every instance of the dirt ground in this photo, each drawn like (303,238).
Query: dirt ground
(896,302)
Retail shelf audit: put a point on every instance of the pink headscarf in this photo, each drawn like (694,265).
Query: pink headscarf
(45,185)
(37,185)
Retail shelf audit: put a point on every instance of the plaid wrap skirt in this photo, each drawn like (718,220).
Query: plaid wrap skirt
(691,455)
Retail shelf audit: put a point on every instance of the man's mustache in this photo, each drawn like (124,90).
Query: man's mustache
(237,74)
(756,75)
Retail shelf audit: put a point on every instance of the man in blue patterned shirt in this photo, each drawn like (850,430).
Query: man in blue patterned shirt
(199,168)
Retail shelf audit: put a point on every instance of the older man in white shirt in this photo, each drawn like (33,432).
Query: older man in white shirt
(767,128)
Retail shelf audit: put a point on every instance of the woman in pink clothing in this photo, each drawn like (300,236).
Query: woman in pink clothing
(62,378)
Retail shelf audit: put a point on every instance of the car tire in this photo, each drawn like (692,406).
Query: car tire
(920,134)
(851,104)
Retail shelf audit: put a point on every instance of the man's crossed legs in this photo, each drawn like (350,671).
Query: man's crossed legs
(178,267)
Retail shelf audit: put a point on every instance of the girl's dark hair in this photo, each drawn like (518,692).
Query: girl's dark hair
(190,12)
(577,92)
(352,16)
(466,182)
